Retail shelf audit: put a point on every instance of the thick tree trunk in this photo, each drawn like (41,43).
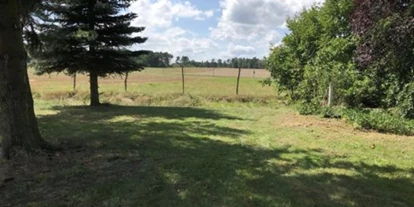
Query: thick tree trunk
(18,124)
(94,89)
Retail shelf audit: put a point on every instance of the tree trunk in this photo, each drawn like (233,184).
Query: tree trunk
(18,124)
(93,76)
(126,82)
(94,88)
(74,82)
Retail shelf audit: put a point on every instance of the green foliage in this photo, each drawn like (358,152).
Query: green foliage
(156,59)
(369,119)
(315,109)
(318,52)
(285,70)
(406,101)
(385,49)
(370,70)
(85,36)
(379,120)
(308,109)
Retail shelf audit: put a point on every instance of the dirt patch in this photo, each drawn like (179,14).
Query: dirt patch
(293,120)
(336,126)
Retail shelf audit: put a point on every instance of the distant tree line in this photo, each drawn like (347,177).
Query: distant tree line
(253,63)
(156,59)
(163,60)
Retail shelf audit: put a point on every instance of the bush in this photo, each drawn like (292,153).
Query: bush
(309,109)
(379,120)
(406,101)
(329,112)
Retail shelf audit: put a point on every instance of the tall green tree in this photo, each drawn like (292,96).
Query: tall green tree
(317,55)
(385,30)
(88,36)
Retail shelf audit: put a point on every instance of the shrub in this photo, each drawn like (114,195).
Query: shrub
(309,109)
(406,101)
(379,120)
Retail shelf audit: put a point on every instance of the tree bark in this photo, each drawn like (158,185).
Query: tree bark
(93,75)
(74,82)
(94,88)
(18,124)
(126,82)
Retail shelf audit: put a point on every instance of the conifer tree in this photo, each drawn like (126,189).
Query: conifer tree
(87,36)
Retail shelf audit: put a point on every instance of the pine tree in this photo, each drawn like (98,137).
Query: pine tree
(87,36)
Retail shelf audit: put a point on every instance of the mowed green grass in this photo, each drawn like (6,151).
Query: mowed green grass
(223,152)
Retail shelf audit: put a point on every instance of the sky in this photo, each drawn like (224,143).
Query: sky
(219,29)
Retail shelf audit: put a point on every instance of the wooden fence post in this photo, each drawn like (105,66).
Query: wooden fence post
(182,75)
(330,94)
(238,82)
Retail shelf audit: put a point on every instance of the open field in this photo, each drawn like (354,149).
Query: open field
(163,81)
(225,151)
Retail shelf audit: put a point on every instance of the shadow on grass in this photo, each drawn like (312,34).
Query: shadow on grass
(166,156)
(107,111)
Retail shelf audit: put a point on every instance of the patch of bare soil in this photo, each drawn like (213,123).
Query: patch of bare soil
(337,127)
(293,120)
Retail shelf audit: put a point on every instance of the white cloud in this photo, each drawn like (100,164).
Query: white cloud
(255,23)
(240,50)
(251,19)
(162,13)
(179,42)
(244,27)
(159,17)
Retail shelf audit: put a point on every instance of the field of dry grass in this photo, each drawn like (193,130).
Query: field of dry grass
(159,81)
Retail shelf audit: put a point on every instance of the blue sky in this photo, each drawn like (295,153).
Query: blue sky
(207,29)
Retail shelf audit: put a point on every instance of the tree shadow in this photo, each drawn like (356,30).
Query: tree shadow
(107,111)
(184,157)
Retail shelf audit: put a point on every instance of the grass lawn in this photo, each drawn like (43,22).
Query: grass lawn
(227,152)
